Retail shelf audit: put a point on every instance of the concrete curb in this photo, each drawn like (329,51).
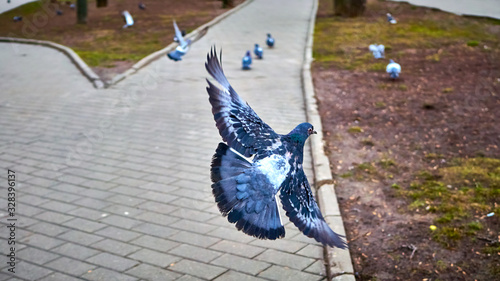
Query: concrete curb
(338,262)
(75,59)
(158,54)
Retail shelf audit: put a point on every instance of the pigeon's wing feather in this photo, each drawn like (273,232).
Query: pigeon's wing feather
(300,206)
(372,48)
(238,124)
(178,34)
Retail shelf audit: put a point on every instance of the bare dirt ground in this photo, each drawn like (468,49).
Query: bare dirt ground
(102,43)
(381,133)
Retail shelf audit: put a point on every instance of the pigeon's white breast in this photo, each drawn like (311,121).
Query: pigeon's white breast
(275,168)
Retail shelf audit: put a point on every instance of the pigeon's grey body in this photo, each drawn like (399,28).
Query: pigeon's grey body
(391,19)
(377,50)
(270,40)
(258,51)
(183,47)
(245,190)
(246,61)
(393,69)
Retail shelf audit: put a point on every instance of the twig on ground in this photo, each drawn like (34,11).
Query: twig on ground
(412,247)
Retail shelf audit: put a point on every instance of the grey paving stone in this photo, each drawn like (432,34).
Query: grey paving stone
(115,247)
(154,257)
(66,187)
(158,196)
(312,251)
(159,244)
(112,261)
(241,264)
(101,176)
(192,204)
(125,200)
(36,256)
(284,273)
(280,244)
(102,274)
(32,200)
(41,241)
(29,211)
(53,217)
(158,207)
(232,275)
(70,266)
(189,278)
(96,184)
(194,226)
(24,222)
(84,225)
(318,268)
(75,251)
(285,259)
(121,221)
(197,269)
(80,237)
(126,190)
(62,196)
(195,253)
(56,276)
(97,194)
(93,203)
(152,273)
(127,211)
(155,230)
(239,249)
(192,215)
(118,233)
(71,179)
(29,271)
(89,214)
(229,232)
(157,218)
(130,181)
(194,239)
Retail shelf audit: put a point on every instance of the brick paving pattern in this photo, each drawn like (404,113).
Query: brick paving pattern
(114,184)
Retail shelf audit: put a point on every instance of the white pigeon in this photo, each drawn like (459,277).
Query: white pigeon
(377,50)
(129,21)
(393,69)
(183,47)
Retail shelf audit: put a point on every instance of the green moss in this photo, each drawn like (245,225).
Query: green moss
(355,130)
(447,90)
(367,142)
(396,186)
(472,43)
(387,163)
(441,265)
(380,104)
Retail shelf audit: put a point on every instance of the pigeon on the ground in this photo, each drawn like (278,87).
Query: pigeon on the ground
(258,51)
(183,47)
(59,12)
(17,18)
(393,69)
(247,61)
(377,50)
(391,19)
(72,6)
(270,40)
(142,6)
(127,17)
(245,190)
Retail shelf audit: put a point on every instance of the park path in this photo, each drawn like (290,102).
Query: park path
(113,184)
(480,8)
(6,5)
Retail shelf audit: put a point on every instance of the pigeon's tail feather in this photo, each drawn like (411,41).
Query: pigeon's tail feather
(214,68)
(236,199)
(394,74)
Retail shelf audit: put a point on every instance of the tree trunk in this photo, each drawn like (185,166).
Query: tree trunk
(227,4)
(81,11)
(349,8)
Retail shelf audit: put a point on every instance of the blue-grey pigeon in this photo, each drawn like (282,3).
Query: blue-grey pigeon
(377,50)
(127,17)
(246,61)
(183,47)
(258,51)
(270,40)
(391,19)
(245,189)
(393,69)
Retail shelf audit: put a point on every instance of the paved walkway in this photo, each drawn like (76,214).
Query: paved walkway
(114,184)
(482,8)
(6,5)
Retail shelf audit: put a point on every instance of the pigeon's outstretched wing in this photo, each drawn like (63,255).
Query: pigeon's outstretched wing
(300,206)
(238,124)
(178,34)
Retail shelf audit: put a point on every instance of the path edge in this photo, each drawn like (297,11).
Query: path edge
(338,262)
(75,59)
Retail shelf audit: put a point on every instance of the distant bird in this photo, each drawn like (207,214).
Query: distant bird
(183,33)
(258,51)
(72,6)
(127,17)
(391,19)
(142,6)
(183,47)
(247,61)
(245,189)
(270,40)
(377,50)
(393,69)
(17,18)
(59,12)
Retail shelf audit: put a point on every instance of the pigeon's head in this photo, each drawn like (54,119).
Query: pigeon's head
(256,45)
(389,15)
(302,132)
(391,61)
(247,54)
(269,35)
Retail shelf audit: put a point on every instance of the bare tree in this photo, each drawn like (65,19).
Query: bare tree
(81,11)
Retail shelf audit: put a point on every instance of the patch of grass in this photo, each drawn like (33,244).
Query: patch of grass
(434,58)
(355,130)
(402,87)
(447,90)
(477,182)
(387,163)
(367,142)
(441,265)
(396,186)
(380,104)
(472,43)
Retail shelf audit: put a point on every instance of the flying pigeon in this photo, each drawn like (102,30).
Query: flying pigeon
(17,18)
(247,61)
(258,51)
(393,69)
(270,40)
(245,189)
(183,33)
(127,17)
(142,6)
(391,19)
(183,47)
(377,50)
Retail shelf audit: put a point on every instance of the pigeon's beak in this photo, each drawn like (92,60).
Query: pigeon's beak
(314,132)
